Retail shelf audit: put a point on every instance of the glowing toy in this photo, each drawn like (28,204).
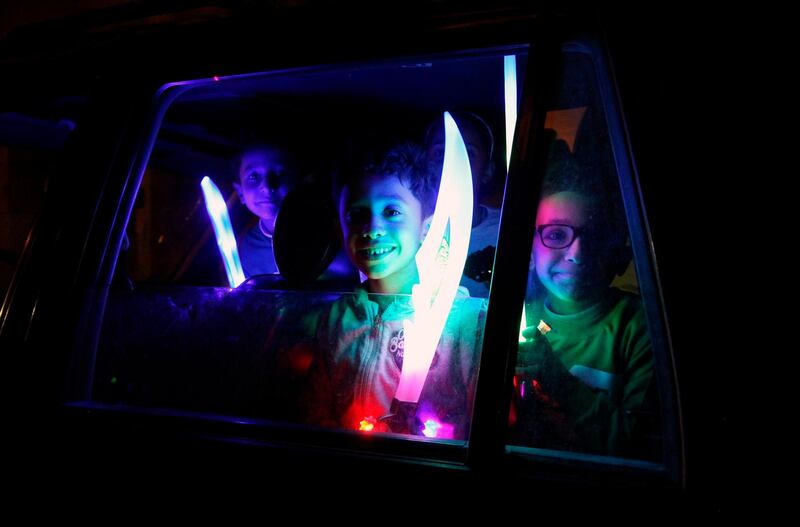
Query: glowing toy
(226,241)
(440,262)
(510,85)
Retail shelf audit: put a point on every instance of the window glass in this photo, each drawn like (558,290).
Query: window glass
(331,181)
(585,373)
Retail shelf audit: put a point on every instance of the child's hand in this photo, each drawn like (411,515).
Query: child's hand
(541,419)
(531,332)
(533,357)
(536,359)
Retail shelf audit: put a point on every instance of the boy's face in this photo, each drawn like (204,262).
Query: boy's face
(575,276)
(264,180)
(383,228)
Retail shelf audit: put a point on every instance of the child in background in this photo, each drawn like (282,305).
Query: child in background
(264,176)
(479,140)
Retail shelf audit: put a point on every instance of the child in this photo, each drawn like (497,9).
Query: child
(588,379)
(479,140)
(385,212)
(264,176)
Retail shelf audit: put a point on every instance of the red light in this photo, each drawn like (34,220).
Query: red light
(366,424)
(216,78)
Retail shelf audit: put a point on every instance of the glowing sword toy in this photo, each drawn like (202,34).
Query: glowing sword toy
(440,262)
(226,241)
(510,91)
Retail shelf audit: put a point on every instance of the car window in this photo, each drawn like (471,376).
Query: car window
(364,235)
(585,380)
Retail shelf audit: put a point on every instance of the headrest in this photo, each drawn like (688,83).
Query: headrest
(306,236)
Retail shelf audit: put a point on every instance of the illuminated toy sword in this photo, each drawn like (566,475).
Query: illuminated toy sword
(510,91)
(440,262)
(226,241)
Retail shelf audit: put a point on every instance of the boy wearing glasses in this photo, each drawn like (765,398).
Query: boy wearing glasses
(587,380)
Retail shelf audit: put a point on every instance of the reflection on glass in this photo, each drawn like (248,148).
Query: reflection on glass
(239,352)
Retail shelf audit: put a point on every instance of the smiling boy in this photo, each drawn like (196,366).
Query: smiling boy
(384,218)
(264,176)
(385,212)
(591,376)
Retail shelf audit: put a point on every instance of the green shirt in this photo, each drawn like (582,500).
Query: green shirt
(607,361)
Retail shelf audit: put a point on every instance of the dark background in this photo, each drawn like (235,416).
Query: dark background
(680,77)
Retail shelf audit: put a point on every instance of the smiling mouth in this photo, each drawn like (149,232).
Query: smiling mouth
(375,253)
(566,276)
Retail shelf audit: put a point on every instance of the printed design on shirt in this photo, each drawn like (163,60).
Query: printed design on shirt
(598,379)
(397,347)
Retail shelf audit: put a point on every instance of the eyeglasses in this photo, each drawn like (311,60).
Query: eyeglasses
(557,235)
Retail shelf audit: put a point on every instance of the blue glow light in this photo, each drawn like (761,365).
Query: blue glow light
(226,241)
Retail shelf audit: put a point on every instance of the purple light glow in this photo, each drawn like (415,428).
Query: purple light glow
(433,427)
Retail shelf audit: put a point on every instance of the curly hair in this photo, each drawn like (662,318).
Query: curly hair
(564,173)
(407,162)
